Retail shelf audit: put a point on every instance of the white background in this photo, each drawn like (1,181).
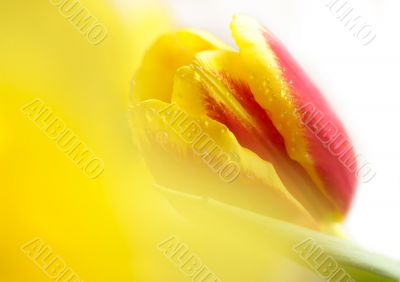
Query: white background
(361,82)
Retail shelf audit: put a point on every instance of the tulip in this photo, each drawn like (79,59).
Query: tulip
(251,115)
(248,152)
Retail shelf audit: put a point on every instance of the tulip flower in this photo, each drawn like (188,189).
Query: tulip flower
(256,103)
(226,131)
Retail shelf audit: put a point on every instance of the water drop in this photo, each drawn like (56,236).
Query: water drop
(250,175)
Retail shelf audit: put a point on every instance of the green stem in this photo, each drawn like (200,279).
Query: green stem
(363,266)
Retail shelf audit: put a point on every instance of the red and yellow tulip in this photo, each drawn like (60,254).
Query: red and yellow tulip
(236,139)
(252,104)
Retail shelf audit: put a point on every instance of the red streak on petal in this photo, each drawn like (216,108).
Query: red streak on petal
(270,135)
(339,179)
(264,139)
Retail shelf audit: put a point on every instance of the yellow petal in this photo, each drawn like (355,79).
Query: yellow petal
(274,93)
(155,77)
(215,85)
(198,155)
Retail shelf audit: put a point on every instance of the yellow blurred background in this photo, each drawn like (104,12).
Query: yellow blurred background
(90,223)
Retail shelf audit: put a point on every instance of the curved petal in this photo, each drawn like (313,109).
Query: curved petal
(154,78)
(215,86)
(200,156)
(314,137)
